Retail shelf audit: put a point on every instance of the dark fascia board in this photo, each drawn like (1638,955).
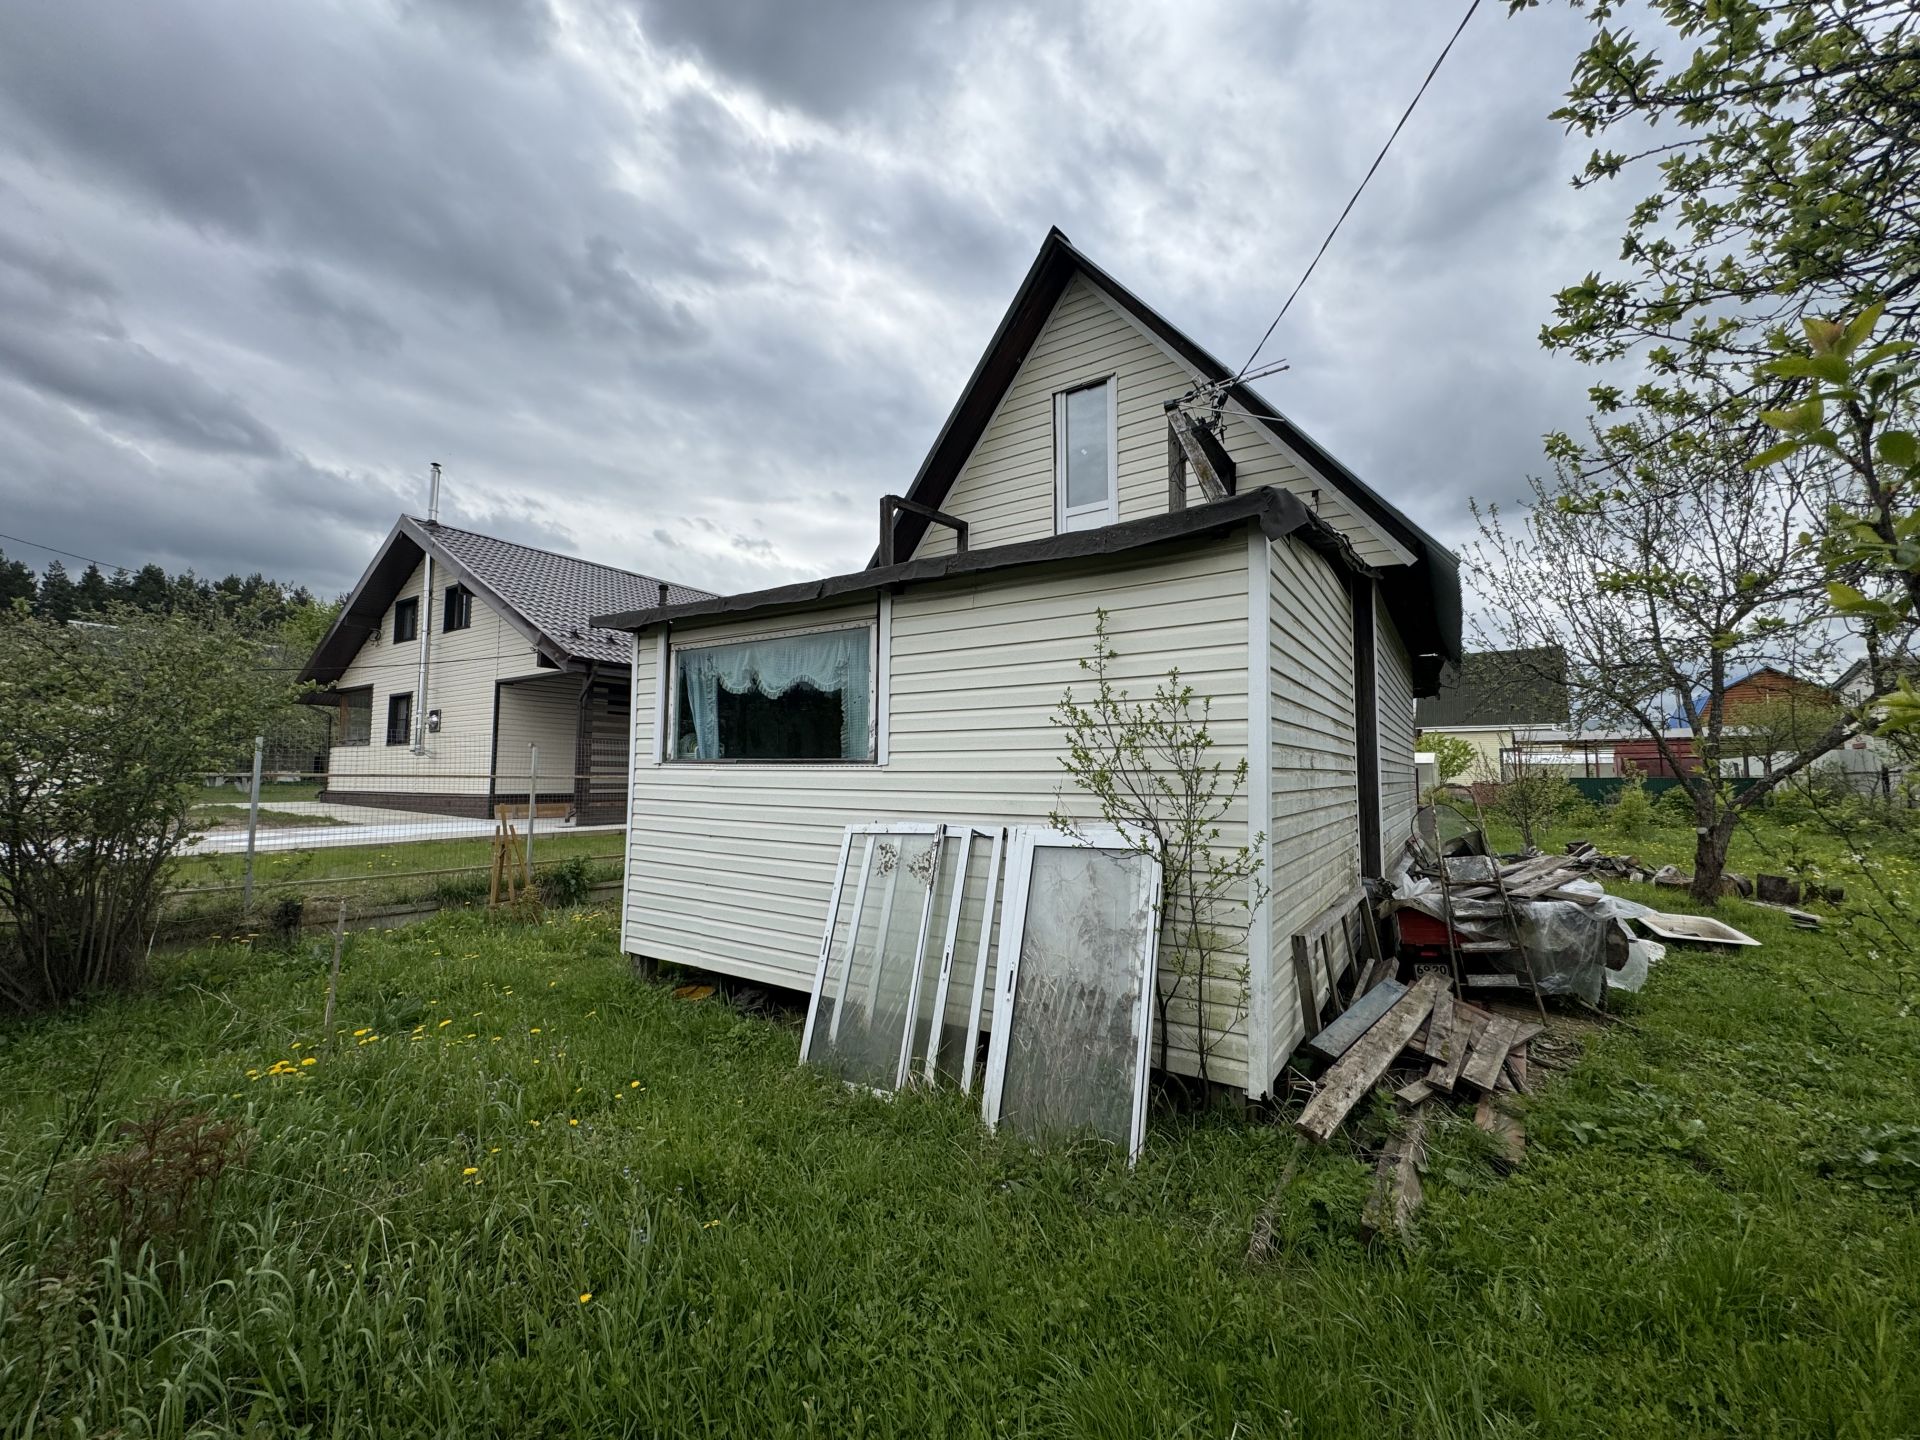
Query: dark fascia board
(1434,630)
(1275,511)
(369,599)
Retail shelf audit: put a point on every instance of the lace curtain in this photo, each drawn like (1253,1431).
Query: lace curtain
(832,661)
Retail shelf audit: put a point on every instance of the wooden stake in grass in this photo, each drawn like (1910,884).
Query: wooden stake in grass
(333,974)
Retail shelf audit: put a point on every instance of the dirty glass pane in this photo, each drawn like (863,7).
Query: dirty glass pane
(1073,1045)
(931,952)
(949,1031)
(862,1016)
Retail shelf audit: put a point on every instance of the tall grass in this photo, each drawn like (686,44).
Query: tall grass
(506,1123)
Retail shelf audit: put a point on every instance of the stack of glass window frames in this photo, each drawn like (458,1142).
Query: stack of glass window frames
(903,970)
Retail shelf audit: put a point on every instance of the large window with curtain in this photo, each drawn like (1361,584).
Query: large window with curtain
(804,697)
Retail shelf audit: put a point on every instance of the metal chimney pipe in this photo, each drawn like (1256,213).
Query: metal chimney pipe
(425,626)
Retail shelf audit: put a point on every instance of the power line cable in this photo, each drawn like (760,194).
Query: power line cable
(56,550)
(1444,51)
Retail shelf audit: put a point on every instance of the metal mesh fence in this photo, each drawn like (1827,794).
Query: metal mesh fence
(397,828)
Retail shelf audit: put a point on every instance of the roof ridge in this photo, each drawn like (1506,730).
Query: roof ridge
(433,525)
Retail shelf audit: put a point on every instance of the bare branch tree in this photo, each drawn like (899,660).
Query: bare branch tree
(1668,570)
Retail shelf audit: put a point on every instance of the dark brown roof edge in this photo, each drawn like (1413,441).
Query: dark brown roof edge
(1275,511)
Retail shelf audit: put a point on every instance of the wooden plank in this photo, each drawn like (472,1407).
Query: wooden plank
(1414,1092)
(1528,1029)
(1303,985)
(1467,1025)
(1517,1069)
(1482,1070)
(1339,1036)
(1439,1026)
(1396,1181)
(1360,1069)
(1334,1002)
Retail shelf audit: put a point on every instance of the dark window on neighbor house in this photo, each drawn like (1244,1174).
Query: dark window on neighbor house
(356,717)
(458,613)
(400,719)
(406,619)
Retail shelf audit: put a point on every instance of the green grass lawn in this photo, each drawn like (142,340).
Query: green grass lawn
(235,817)
(520,1192)
(270,790)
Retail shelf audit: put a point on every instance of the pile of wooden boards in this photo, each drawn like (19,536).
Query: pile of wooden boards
(1538,877)
(1441,1049)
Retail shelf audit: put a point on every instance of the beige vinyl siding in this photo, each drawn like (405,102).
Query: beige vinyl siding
(1005,491)
(543,712)
(1393,695)
(464,665)
(1316,800)
(730,866)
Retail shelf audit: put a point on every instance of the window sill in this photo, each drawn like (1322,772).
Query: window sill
(738,765)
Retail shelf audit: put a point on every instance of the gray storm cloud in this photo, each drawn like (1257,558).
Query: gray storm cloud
(685,286)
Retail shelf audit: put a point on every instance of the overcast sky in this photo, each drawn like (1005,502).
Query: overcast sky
(685,285)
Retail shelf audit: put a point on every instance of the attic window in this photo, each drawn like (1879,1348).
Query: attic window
(406,619)
(458,614)
(1085,456)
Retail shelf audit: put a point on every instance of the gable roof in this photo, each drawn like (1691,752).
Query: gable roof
(1431,627)
(1500,687)
(548,597)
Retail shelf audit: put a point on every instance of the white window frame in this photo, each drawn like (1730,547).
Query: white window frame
(670,727)
(1107,511)
(1022,842)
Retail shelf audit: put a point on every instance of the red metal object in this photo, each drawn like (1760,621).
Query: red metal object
(1423,934)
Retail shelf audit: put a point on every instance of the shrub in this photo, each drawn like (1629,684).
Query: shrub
(1676,803)
(567,883)
(1632,808)
(1534,799)
(158,1188)
(107,731)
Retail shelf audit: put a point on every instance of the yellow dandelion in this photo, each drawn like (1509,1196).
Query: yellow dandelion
(309,1061)
(586,1297)
(471,1170)
(494,1151)
(534,1031)
(633,1084)
(573,1122)
(534,1123)
(443,1024)
(360,1031)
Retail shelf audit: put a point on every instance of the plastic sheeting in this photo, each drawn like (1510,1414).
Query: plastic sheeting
(1576,949)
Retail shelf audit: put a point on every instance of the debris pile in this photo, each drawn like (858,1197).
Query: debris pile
(1530,927)
(1441,1050)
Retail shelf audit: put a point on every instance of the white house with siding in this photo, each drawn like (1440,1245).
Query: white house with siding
(459,657)
(1312,613)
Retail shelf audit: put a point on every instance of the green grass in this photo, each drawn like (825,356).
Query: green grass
(378,862)
(235,817)
(1688,1250)
(270,790)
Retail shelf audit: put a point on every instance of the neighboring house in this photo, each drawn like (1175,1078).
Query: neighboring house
(1310,610)
(1497,701)
(455,653)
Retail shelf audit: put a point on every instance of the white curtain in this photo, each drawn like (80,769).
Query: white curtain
(833,661)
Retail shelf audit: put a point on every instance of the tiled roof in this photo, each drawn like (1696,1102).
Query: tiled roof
(557,593)
(1500,687)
